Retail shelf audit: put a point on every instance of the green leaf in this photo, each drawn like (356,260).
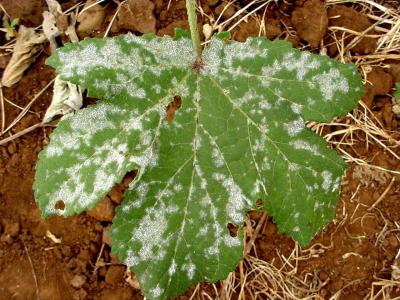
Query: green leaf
(396,93)
(238,136)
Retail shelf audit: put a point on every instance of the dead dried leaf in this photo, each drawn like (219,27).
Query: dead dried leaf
(50,29)
(67,98)
(51,236)
(23,56)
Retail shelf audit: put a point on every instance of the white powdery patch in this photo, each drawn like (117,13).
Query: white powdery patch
(317,206)
(218,159)
(114,153)
(336,185)
(199,173)
(190,270)
(212,57)
(172,268)
(296,108)
(331,82)
(157,292)
(150,235)
(240,52)
(96,118)
(301,65)
(203,231)
(166,50)
(131,259)
(295,127)
(142,189)
(304,145)
(264,104)
(293,167)
(265,165)
(237,201)
(74,193)
(156,88)
(258,187)
(270,71)
(231,241)
(148,159)
(327,180)
(259,144)
(178,187)
(82,128)
(248,97)
(134,91)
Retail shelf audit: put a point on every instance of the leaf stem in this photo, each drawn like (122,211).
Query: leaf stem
(194,31)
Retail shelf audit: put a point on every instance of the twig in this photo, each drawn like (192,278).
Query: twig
(26,109)
(250,244)
(3,114)
(114,17)
(33,273)
(383,194)
(96,266)
(21,133)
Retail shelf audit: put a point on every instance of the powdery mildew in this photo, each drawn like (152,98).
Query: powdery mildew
(239,136)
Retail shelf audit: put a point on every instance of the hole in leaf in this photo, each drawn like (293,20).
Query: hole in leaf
(232,229)
(59,205)
(172,107)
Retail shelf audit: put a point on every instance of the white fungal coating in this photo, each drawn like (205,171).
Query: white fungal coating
(239,135)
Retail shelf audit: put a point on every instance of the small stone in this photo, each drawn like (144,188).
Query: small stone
(311,21)
(78,281)
(228,12)
(350,18)
(6,238)
(337,285)
(66,251)
(123,293)
(393,241)
(115,275)
(91,19)
(114,259)
(103,211)
(84,255)
(106,239)
(12,148)
(102,271)
(323,276)
(82,294)
(212,2)
(12,229)
(137,15)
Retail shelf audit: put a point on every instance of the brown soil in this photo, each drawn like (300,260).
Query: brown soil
(349,255)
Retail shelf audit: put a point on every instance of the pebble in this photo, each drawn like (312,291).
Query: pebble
(115,275)
(103,211)
(228,12)
(212,2)
(106,239)
(323,275)
(78,281)
(12,229)
(12,148)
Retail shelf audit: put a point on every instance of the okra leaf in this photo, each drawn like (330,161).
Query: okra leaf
(209,136)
